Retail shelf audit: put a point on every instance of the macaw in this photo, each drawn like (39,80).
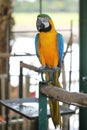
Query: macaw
(49,46)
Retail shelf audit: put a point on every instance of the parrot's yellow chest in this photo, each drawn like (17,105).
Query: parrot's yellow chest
(48,50)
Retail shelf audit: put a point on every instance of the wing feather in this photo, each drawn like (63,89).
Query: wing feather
(36,44)
(60,48)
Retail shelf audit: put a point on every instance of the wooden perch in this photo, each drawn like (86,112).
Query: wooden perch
(31,67)
(38,69)
(74,98)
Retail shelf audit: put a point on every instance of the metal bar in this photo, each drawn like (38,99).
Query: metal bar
(21,82)
(7,118)
(7,55)
(70,72)
(35,31)
(40,2)
(42,110)
(22,100)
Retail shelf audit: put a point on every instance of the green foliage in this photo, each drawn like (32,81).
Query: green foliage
(55,5)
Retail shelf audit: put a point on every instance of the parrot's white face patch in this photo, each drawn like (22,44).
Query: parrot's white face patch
(44,21)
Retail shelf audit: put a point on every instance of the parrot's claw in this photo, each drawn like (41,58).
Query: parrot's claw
(42,67)
(56,68)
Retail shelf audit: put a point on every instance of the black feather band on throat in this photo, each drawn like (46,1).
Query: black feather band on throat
(46,29)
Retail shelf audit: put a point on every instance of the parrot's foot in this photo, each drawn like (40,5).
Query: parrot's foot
(56,69)
(41,70)
(42,67)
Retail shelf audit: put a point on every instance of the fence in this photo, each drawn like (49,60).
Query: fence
(17,119)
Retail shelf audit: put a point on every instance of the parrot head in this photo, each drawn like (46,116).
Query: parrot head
(44,23)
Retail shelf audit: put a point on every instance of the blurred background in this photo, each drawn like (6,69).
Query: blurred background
(18,31)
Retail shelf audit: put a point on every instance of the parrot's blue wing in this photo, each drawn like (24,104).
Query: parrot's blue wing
(36,44)
(60,48)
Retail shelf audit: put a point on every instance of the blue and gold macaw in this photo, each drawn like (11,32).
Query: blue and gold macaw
(49,47)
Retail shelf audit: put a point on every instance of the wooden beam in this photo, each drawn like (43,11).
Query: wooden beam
(74,98)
